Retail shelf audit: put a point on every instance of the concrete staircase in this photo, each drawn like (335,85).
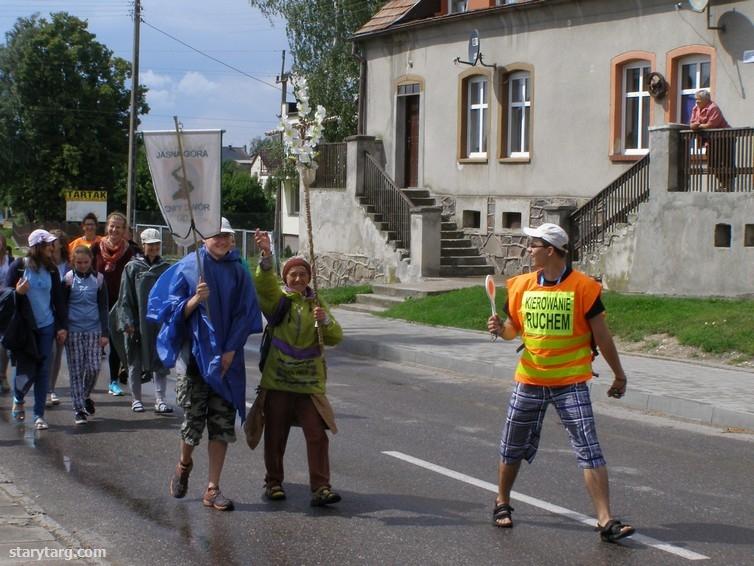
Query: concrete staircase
(383,297)
(458,256)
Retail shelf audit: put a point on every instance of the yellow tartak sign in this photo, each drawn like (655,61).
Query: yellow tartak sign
(85,195)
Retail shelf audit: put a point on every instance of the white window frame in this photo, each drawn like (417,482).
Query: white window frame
(458,6)
(692,60)
(525,103)
(482,108)
(696,148)
(643,95)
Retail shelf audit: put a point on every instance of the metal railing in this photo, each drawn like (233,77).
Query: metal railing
(717,160)
(388,201)
(591,223)
(332,163)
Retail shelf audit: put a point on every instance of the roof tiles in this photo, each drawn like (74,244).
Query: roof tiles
(388,15)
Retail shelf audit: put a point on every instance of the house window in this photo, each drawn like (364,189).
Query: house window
(476,117)
(694,73)
(749,235)
(512,220)
(294,203)
(519,114)
(472,219)
(457,6)
(722,235)
(635,125)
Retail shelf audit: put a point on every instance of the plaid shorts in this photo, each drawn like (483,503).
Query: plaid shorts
(523,424)
(202,406)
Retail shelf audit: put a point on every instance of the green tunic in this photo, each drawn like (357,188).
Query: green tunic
(284,372)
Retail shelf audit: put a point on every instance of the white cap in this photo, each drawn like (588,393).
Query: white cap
(151,236)
(40,237)
(550,233)
(225,226)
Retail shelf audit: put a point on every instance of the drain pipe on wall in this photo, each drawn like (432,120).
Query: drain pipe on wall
(361,126)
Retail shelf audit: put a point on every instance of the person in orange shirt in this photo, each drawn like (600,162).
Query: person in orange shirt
(559,314)
(90,237)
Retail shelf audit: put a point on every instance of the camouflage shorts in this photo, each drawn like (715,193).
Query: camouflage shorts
(203,406)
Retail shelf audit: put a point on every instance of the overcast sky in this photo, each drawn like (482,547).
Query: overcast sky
(201,92)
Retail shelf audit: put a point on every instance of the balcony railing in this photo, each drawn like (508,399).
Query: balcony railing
(332,166)
(593,222)
(717,160)
(389,202)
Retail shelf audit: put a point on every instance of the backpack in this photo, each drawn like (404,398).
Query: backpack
(277,317)
(8,302)
(68,278)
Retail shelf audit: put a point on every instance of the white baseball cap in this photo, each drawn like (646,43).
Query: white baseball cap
(151,236)
(40,236)
(225,227)
(550,233)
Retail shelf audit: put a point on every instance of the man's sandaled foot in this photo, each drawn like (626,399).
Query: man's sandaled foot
(614,530)
(179,480)
(501,516)
(274,493)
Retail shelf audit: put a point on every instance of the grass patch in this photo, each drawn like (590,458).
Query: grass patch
(341,295)
(712,325)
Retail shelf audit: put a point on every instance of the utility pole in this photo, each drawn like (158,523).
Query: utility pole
(131,179)
(282,79)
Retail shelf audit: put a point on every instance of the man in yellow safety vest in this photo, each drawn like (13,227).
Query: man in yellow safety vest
(559,315)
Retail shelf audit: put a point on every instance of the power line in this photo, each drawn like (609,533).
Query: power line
(208,56)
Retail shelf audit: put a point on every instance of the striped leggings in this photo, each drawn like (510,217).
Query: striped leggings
(83,354)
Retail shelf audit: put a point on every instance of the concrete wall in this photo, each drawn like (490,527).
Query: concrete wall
(570,46)
(348,246)
(670,248)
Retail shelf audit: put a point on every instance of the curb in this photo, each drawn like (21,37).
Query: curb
(704,413)
(35,516)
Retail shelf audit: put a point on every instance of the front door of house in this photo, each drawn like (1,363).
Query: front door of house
(411,145)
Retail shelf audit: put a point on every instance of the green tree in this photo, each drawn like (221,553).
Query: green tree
(241,192)
(63,114)
(318,33)
(143,187)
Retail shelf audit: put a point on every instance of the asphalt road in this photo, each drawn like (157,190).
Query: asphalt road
(415,461)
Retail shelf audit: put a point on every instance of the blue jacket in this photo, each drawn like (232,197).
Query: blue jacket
(234,315)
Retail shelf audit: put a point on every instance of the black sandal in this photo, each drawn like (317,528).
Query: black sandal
(274,493)
(502,511)
(614,530)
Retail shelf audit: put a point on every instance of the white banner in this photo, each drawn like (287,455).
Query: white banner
(201,153)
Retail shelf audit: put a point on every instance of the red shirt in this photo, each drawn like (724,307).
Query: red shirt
(709,116)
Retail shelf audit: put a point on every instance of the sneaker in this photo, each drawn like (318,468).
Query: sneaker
(115,389)
(324,496)
(179,482)
(214,498)
(137,406)
(162,408)
(54,399)
(80,418)
(89,406)
(40,424)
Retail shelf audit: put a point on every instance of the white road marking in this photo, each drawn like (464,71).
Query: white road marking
(534,502)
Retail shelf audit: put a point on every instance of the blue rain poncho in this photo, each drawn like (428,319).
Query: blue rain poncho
(234,315)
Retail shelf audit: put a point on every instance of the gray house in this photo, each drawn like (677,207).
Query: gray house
(488,116)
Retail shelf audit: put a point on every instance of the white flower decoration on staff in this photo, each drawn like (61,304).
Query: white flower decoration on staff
(301,135)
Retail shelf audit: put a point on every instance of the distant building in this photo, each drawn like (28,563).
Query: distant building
(239,155)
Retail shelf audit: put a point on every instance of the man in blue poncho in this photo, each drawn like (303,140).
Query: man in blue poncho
(205,324)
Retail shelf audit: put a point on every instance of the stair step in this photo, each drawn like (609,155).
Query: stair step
(449,226)
(465,270)
(423,201)
(393,291)
(357,307)
(470,251)
(454,243)
(414,192)
(451,235)
(384,301)
(462,260)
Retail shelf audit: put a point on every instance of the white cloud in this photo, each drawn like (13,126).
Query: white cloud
(160,99)
(195,84)
(154,80)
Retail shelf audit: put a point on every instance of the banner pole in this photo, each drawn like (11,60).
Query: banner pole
(188,200)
